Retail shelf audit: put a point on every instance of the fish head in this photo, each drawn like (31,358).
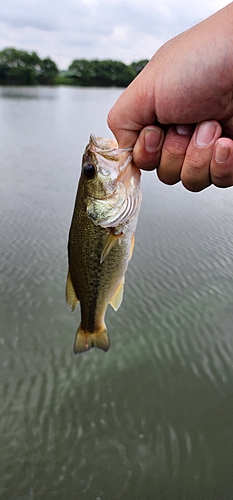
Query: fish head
(111,182)
(102,165)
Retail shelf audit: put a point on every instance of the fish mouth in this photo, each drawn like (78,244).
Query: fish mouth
(112,160)
(106,147)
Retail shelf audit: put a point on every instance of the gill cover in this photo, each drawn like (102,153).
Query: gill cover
(115,196)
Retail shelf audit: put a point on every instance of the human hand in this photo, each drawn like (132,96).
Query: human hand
(188,81)
(198,156)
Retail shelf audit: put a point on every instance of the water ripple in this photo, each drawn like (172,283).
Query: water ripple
(152,416)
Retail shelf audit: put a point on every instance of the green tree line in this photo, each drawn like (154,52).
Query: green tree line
(18,67)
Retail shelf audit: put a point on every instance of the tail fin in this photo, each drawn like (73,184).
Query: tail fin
(86,340)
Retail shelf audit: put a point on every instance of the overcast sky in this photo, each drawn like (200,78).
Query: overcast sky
(125,30)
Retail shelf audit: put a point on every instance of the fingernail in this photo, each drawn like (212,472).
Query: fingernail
(221,153)
(152,139)
(205,133)
(184,129)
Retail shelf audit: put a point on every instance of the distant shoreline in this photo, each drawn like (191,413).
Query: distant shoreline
(18,67)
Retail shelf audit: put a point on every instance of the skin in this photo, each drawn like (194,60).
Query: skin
(178,113)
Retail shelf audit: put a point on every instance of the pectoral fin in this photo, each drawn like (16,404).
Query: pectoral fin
(109,244)
(132,246)
(118,296)
(71,297)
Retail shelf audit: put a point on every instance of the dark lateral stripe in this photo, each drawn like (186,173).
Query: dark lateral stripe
(91,315)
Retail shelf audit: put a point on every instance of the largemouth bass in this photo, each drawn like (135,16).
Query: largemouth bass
(101,237)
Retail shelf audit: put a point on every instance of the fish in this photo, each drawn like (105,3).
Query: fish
(101,237)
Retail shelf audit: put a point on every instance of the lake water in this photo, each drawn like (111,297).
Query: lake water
(153,417)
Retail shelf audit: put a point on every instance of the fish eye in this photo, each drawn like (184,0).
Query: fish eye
(89,170)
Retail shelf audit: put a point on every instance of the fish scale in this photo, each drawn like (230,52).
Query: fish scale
(99,255)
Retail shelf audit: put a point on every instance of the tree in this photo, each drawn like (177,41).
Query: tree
(47,72)
(100,73)
(18,67)
(115,73)
(82,71)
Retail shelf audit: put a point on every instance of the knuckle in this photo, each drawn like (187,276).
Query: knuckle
(195,175)
(111,121)
(221,178)
(172,155)
(195,165)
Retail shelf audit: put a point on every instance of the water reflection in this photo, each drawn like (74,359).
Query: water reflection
(19,93)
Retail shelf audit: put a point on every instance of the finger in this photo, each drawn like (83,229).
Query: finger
(124,128)
(221,167)
(147,150)
(195,172)
(134,109)
(227,128)
(173,153)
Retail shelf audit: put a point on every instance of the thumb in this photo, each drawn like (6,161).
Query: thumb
(134,110)
(121,124)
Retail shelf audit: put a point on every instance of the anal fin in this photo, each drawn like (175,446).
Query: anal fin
(117,297)
(71,297)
